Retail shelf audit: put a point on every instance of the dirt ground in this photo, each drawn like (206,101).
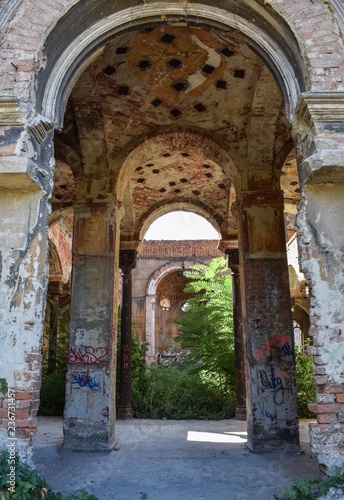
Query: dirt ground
(172,460)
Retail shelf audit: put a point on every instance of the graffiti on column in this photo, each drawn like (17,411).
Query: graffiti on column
(88,354)
(279,342)
(84,378)
(265,413)
(269,380)
(126,356)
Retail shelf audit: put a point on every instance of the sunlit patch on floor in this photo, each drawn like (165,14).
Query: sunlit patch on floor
(211,437)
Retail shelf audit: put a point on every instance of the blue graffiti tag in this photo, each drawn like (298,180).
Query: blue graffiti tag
(84,379)
(265,413)
(272,382)
(285,349)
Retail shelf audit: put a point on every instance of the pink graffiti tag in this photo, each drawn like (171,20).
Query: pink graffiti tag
(88,354)
(281,342)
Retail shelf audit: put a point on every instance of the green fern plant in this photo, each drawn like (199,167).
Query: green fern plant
(207,325)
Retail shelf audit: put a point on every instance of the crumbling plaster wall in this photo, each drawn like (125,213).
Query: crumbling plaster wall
(26,165)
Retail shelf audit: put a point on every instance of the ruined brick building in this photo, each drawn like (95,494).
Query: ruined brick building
(113,113)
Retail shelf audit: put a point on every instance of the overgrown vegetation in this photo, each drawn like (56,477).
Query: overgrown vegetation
(179,392)
(3,386)
(314,488)
(305,380)
(207,325)
(54,365)
(19,482)
(203,386)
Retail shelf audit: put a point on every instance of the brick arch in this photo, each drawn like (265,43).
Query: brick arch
(162,271)
(61,59)
(151,289)
(66,57)
(156,143)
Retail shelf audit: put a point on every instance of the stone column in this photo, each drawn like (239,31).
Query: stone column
(321,243)
(91,377)
(26,174)
(271,385)
(239,341)
(127,262)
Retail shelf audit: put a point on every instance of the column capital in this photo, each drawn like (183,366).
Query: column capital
(229,244)
(261,198)
(131,245)
(127,259)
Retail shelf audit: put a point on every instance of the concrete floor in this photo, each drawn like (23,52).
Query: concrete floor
(172,460)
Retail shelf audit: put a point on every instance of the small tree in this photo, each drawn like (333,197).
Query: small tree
(207,325)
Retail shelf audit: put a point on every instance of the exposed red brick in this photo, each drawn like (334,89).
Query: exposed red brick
(325,408)
(327,418)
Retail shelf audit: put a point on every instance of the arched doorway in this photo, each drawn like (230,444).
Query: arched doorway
(223,107)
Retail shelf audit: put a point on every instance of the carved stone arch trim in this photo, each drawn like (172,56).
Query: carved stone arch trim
(57,81)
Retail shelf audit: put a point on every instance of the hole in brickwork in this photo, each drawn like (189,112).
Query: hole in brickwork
(166,155)
(155,170)
(183,179)
(205,165)
(123,90)
(239,73)
(58,196)
(109,70)
(122,50)
(200,107)
(162,190)
(62,186)
(227,52)
(179,86)
(185,154)
(175,112)
(209,175)
(175,63)
(167,38)
(221,84)
(196,193)
(144,64)
(294,183)
(156,102)
(208,69)
(297,190)
(149,164)
(222,186)
(141,180)
(138,169)
(177,190)
(172,183)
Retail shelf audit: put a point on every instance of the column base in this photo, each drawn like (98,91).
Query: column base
(240,413)
(89,437)
(125,413)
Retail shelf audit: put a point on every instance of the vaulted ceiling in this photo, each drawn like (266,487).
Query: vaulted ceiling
(175,116)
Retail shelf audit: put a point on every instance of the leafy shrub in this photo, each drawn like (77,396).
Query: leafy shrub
(305,381)
(53,394)
(314,488)
(178,392)
(29,485)
(54,365)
